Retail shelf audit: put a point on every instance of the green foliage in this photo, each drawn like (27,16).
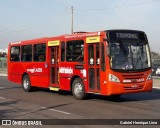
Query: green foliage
(155,55)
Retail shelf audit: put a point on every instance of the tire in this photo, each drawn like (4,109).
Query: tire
(78,89)
(26,83)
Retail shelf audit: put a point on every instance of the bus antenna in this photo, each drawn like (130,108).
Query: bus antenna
(72,20)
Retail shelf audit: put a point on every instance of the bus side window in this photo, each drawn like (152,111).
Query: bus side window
(15,53)
(26,53)
(75,51)
(91,55)
(40,52)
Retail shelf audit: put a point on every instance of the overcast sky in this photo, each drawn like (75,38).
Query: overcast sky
(29,19)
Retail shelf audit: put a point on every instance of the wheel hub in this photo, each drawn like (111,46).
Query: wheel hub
(26,84)
(78,89)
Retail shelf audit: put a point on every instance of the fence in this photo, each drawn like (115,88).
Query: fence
(3,64)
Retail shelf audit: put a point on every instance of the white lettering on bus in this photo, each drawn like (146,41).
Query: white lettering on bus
(18,42)
(66,70)
(33,70)
(83,35)
(83,72)
(30,70)
(38,69)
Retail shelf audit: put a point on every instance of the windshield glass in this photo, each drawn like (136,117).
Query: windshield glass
(129,55)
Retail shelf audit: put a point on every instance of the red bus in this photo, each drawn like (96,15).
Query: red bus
(111,62)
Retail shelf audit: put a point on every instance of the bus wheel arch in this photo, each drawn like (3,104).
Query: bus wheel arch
(78,88)
(26,83)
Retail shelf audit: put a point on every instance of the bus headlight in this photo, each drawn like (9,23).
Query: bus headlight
(113,78)
(149,77)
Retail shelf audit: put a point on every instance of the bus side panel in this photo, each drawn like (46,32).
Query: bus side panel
(15,78)
(104,79)
(65,83)
(39,81)
(67,73)
(38,74)
(85,82)
(103,83)
(15,72)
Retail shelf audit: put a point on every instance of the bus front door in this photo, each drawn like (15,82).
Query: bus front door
(54,73)
(94,67)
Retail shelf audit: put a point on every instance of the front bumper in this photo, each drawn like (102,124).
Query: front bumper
(121,88)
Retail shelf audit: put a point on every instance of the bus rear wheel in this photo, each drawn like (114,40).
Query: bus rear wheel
(26,83)
(78,89)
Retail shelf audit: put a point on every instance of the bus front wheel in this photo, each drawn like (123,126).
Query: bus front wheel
(78,89)
(26,83)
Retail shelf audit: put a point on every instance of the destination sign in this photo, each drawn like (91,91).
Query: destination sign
(127,35)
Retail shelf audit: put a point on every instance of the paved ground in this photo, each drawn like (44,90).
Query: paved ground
(44,104)
(3,72)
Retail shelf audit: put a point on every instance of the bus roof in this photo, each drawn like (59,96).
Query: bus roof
(61,37)
(75,35)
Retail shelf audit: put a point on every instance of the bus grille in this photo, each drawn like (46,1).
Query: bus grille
(133,76)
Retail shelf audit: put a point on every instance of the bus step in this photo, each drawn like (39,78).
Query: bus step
(54,88)
(97,93)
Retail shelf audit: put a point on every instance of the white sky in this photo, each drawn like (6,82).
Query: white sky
(29,19)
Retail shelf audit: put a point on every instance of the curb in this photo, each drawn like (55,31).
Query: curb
(156,87)
(3,75)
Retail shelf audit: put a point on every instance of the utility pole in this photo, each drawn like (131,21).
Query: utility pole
(71,19)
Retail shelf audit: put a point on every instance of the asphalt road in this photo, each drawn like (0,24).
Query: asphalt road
(45,104)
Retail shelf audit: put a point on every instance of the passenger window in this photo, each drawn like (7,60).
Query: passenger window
(97,54)
(15,53)
(26,53)
(91,55)
(40,52)
(75,51)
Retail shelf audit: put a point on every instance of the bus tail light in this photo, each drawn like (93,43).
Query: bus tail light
(149,77)
(113,78)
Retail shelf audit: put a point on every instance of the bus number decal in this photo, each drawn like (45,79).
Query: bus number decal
(18,42)
(66,70)
(33,70)
(83,72)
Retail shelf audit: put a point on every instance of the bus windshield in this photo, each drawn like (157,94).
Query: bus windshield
(129,55)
